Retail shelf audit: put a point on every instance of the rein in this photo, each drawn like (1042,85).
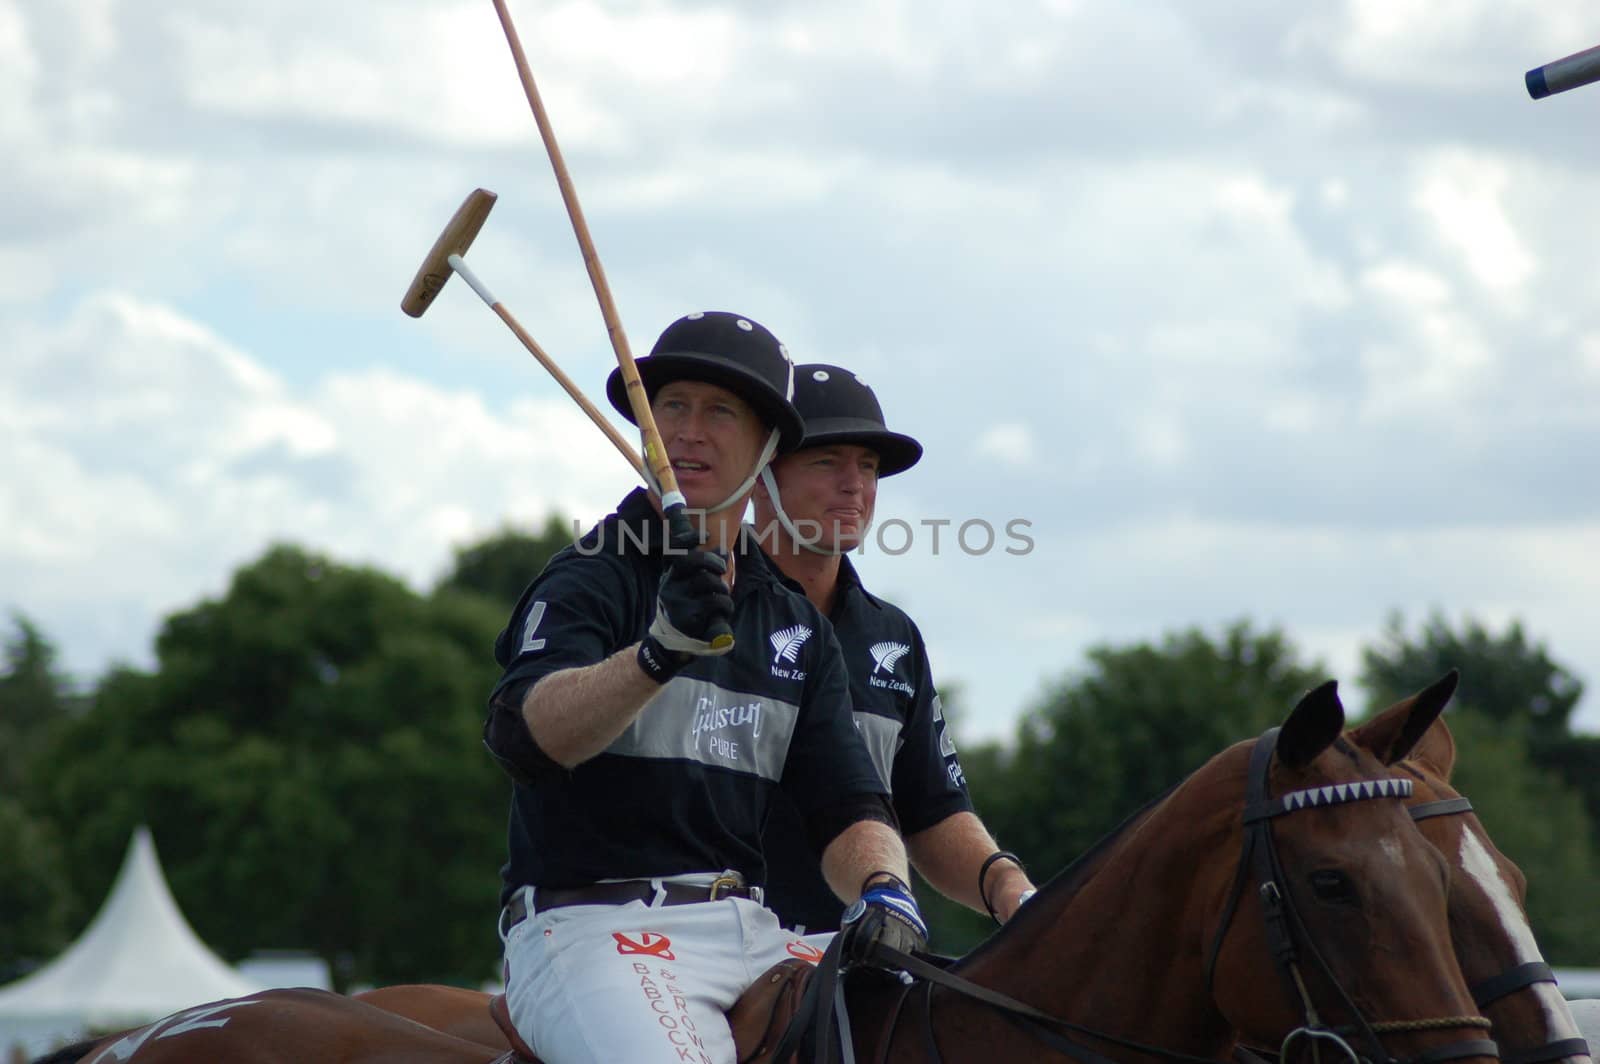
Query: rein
(1258,855)
(1508,982)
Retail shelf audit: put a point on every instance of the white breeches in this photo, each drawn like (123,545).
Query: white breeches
(599,984)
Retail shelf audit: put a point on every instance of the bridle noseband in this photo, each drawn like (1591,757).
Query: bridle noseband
(1287,937)
(1508,982)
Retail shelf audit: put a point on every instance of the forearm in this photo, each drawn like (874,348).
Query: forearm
(950,853)
(576,713)
(865,847)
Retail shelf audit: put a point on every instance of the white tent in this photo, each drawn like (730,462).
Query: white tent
(138,960)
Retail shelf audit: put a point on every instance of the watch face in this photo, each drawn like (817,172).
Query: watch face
(857,910)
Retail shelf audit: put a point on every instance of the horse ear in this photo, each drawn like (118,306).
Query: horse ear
(1312,727)
(1393,734)
(1437,749)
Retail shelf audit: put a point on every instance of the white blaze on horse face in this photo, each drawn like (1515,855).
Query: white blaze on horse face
(1480,865)
(1393,850)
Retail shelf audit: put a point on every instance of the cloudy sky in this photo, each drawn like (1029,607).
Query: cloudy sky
(1289,312)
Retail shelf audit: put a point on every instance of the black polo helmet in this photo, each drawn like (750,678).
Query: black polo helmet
(839,408)
(728,350)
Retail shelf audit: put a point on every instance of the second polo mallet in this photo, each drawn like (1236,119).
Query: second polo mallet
(674,506)
(1580,68)
(445,258)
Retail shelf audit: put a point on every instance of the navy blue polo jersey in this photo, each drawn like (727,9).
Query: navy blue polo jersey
(688,786)
(897,712)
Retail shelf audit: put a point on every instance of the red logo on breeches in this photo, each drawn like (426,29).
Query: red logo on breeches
(805,951)
(650,943)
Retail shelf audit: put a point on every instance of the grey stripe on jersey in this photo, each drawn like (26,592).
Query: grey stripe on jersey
(694,720)
(882,736)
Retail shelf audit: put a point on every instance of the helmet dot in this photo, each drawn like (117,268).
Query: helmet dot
(746,326)
(696,316)
(819,375)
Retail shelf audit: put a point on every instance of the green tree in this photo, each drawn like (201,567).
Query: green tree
(35,698)
(1504,677)
(1539,822)
(33,892)
(1535,784)
(1107,739)
(500,566)
(36,701)
(308,756)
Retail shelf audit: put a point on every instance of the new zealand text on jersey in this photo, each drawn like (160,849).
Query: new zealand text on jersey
(885,656)
(786,644)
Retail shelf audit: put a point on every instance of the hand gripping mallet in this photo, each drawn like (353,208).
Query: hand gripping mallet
(445,258)
(673,504)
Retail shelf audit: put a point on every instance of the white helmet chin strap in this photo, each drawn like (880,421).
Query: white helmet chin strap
(789,526)
(762,460)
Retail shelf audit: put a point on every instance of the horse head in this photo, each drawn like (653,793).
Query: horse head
(1333,929)
(1494,944)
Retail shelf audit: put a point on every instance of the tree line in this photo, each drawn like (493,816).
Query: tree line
(306,751)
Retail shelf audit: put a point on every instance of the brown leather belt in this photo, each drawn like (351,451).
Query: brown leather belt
(644,890)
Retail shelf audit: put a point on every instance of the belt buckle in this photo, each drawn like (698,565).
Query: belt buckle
(725,884)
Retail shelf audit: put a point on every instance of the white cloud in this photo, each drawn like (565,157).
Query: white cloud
(180,457)
(1412,44)
(1464,195)
(1011,443)
(1440,355)
(19,71)
(1327,266)
(1589,353)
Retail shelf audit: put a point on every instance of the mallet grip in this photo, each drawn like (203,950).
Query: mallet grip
(1574,70)
(457,236)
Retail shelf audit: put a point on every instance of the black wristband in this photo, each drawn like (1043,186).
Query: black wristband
(657,662)
(893,880)
(983,870)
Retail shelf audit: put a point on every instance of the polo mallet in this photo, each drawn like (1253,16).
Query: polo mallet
(1577,69)
(445,258)
(673,504)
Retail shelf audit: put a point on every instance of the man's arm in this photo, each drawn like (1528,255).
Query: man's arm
(865,847)
(576,713)
(950,853)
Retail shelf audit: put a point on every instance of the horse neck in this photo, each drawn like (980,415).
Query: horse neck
(1125,952)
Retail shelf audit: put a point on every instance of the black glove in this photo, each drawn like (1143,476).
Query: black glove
(690,600)
(886,914)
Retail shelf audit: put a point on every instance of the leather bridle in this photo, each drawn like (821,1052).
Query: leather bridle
(1291,944)
(1508,982)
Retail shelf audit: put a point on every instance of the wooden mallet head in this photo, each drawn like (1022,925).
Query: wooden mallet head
(456,238)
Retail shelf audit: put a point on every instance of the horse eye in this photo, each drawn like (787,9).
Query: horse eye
(1333,886)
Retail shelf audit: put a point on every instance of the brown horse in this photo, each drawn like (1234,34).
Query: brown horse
(299,1026)
(1494,945)
(451,1009)
(1164,944)
(1280,893)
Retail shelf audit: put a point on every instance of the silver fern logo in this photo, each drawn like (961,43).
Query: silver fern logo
(786,643)
(887,655)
